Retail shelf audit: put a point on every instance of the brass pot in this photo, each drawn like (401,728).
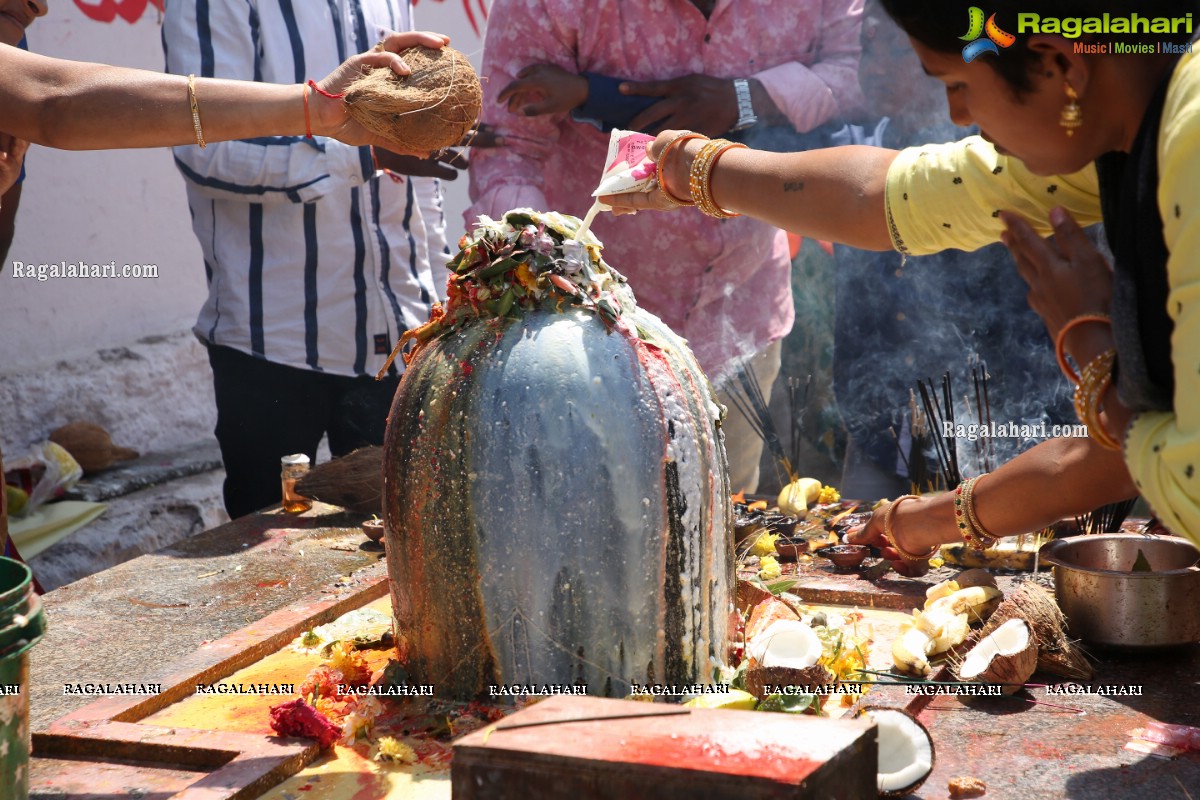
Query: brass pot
(1106,603)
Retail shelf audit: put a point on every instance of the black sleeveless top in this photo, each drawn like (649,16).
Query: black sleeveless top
(1134,228)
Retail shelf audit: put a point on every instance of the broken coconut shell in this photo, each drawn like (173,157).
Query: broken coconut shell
(425,111)
(975,577)
(906,753)
(91,446)
(1006,657)
(1057,654)
(758,679)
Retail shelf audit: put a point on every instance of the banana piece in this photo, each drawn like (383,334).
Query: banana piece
(797,496)
(977,602)
(943,589)
(944,624)
(954,631)
(1005,555)
(910,650)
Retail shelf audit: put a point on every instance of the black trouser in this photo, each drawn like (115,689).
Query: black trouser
(266,411)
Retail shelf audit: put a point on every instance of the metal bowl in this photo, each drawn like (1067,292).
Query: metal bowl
(1106,603)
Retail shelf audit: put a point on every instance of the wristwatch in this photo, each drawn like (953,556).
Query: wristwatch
(746,115)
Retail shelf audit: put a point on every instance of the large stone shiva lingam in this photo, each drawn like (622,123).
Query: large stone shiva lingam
(555,489)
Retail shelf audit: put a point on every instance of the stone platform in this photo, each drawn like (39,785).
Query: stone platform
(132,622)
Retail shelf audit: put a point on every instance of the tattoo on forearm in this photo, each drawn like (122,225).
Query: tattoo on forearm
(793,186)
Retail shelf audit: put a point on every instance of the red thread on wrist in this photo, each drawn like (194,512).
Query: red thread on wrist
(324,93)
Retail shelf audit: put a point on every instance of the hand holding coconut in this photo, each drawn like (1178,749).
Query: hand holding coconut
(411,95)
(101,107)
(426,102)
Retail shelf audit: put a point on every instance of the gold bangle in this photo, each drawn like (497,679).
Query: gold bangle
(983,538)
(700,177)
(1094,381)
(890,536)
(683,137)
(196,112)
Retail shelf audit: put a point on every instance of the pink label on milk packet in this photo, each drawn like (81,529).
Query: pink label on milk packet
(631,149)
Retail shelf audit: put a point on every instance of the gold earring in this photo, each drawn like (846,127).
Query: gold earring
(1071,117)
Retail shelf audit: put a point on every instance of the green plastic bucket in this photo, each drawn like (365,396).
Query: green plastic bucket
(22,625)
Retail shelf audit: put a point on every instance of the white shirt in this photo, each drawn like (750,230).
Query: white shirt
(314,259)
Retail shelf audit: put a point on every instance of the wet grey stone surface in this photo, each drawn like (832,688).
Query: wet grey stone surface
(130,623)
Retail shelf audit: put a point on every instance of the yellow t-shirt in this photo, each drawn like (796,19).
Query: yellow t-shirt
(934,198)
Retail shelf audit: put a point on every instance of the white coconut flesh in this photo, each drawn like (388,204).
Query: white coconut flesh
(1010,639)
(905,751)
(785,643)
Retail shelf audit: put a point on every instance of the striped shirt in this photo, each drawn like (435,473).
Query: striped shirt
(314,260)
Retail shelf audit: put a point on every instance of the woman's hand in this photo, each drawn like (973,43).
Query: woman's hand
(331,117)
(544,89)
(1067,276)
(872,534)
(12,155)
(633,202)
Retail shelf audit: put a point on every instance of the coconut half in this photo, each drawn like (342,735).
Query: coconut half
(906,754)
(1007,656)
(785,643)
(1056,652)
(762,681)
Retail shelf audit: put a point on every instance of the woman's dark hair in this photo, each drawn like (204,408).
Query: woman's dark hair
(940,25)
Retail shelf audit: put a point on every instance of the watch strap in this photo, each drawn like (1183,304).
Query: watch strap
(746,115)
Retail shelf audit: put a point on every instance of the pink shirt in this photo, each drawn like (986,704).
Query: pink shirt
(722,284)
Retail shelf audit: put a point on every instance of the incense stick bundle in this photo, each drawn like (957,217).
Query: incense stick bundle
(1107,518)
(752,404)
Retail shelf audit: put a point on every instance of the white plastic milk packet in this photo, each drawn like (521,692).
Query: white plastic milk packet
(626,169)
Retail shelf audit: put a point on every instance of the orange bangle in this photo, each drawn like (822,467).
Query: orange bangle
(1060,342)
(307,118)
(662,159)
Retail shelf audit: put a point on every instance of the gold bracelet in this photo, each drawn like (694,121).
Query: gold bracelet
(196,112)
(890,536)
(700,177)
(699,170)
(981,537)
(680,139)
(1094,381)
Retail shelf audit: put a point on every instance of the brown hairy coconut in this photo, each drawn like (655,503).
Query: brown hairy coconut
(759,679)
(975,577)
(1006,656)
(91,446)
(1057,653)
(425,111)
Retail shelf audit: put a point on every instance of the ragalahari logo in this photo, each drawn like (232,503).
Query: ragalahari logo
(996,38)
